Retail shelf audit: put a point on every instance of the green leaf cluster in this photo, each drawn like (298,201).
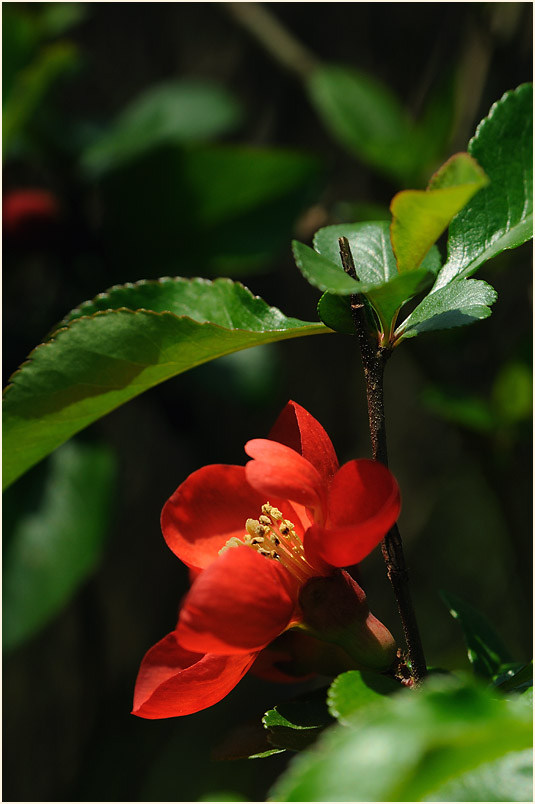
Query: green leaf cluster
(485,196)
(415,745)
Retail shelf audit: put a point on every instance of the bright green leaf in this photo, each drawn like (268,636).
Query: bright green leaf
(408,747)
(509,778)
(365,117)
(420,216)
(97,363)
(354,690)
(486,651)
(500,216)
(176,112)
(324,274)
(461,302)
(53,549)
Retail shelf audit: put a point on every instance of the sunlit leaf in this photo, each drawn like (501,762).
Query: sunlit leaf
(96,363)
(420,216)
(461,302)
(501,215)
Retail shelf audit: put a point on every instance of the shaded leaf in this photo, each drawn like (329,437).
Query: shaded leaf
(172,205)
(294,725)
(409,747)
(53,549)
(461,302)
(335,312)
(517,678)
(97,363)
(420,216)
(176,112)
(365,117)
(354,690)
(501,215)
(486,651)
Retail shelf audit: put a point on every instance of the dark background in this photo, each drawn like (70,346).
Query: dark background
(68,734)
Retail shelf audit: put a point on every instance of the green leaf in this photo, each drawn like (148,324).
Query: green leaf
(486,651)
(365,117)
(97,363)
(53,549)
(176,112)
(323,273)
(420,216)
(517,678)
(354,690)
(211,207)
(31,86)
(509,778)
(461,302)
(375,264)
(335,312)
(294,725)
(500,216)
(408,747)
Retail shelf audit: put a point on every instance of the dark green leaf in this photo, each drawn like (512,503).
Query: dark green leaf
(462,301)
(509,778)
(53,549)
(354,690)
(335,312)
(173,205)
(294,725)
(246,741)
(97,363)
(486,651)
(323,273)
(517,678)
(365,117)
(501,215)
(176,112)
(409,747)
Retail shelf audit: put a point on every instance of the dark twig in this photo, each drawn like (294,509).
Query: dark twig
(374,359)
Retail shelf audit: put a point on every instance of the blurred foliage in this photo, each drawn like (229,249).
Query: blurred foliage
(196,207)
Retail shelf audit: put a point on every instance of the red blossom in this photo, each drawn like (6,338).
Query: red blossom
(261,568)
(23,207)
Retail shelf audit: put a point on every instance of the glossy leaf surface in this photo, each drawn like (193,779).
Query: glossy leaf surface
(419,217)
(461,302)
(486,651)
(375,265)
(97,363)
(52,549)
(409,746)
(501,215)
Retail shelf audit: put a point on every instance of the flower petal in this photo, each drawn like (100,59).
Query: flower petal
(296,428)
(238,604)
(364,503)
(207,509)
(279,470)
(173,681)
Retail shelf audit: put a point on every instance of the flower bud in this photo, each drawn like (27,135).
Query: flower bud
(335,610)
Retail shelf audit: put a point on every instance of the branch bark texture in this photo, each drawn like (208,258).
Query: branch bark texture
(374,359)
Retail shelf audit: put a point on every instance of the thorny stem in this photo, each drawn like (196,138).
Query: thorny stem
(374,359)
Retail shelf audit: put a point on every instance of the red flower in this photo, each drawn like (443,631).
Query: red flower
(256,578)
(21,208)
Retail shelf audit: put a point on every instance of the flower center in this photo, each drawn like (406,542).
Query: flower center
(274,537)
